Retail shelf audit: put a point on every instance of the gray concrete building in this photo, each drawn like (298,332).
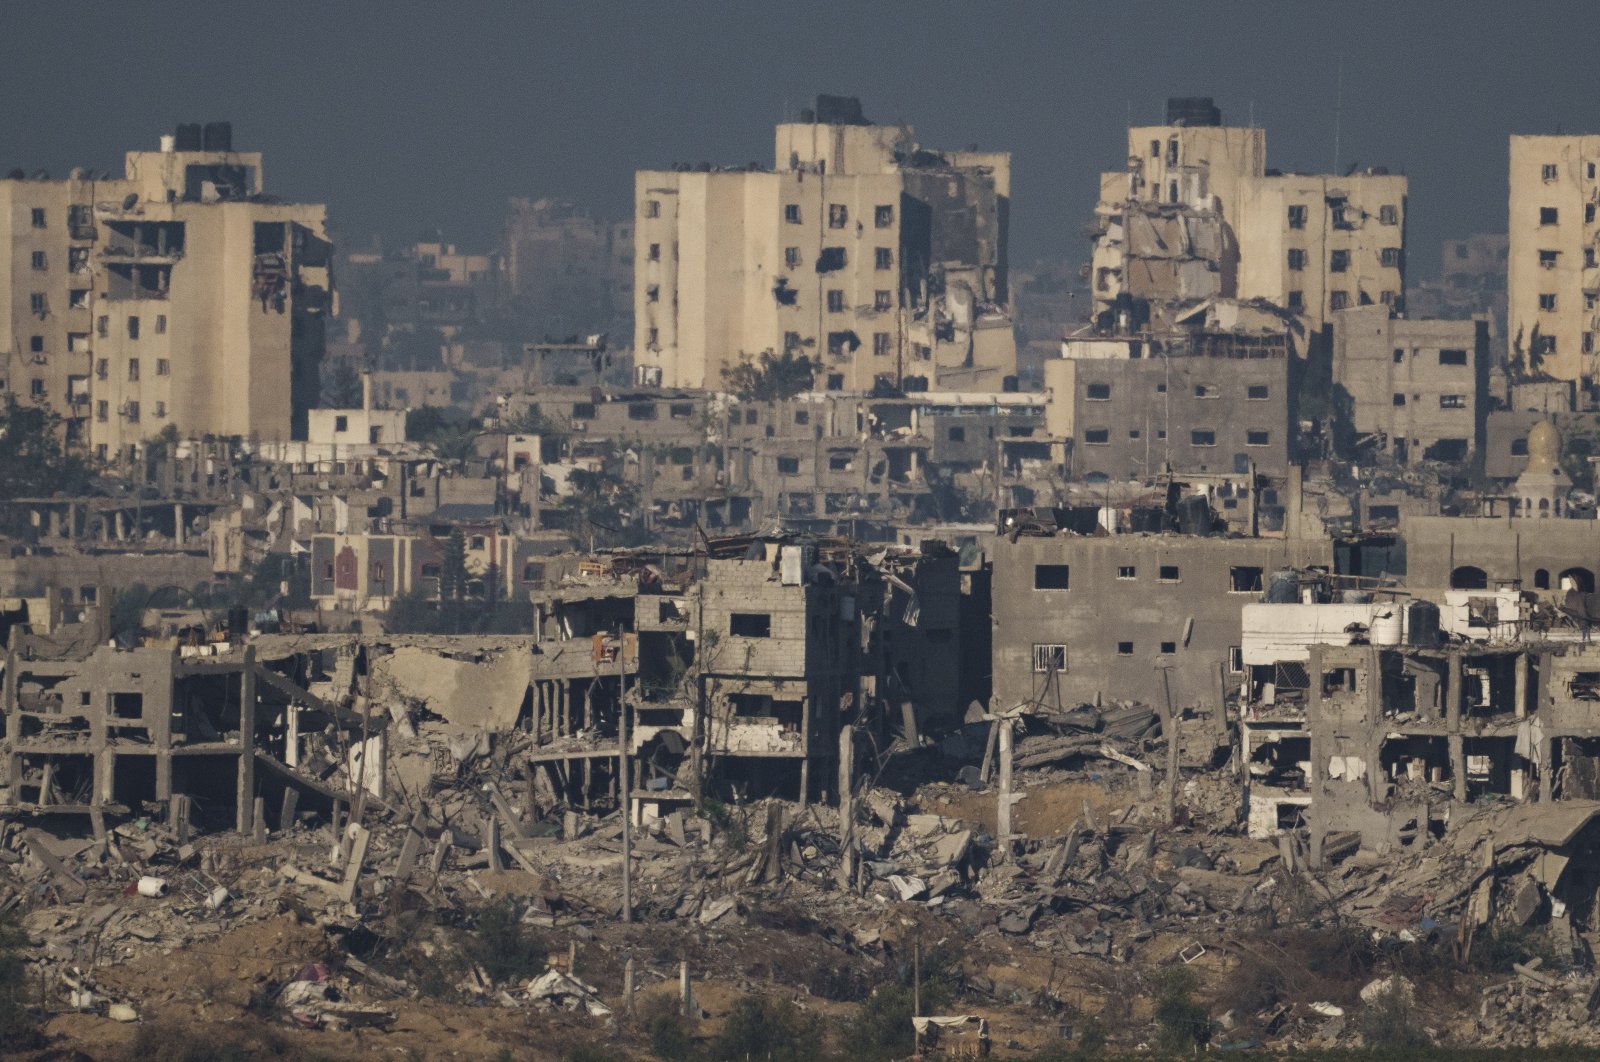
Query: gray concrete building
(1082,618)
(1417,390)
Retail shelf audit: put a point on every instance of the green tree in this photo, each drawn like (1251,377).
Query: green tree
(770,378)
(1184,1023)
(771,1029)
(32,461)
(18,1031)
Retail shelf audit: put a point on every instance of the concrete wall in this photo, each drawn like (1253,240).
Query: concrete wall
(1196,414)
(1405,387)
(1101,609)
(1504,548)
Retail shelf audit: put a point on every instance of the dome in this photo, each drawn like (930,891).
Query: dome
(1544,448)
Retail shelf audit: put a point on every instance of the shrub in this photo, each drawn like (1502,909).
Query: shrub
(17,1027)
(771,1029)
(506,949)
(1184,1023)
(667,1029)
(1389,1020)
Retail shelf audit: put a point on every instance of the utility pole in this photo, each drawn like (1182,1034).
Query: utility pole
(625,781)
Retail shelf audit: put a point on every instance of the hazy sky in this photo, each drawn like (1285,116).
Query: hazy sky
(405,117)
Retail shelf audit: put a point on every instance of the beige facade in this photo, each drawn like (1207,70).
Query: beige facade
(1196,215)
(175,296)
(1316,244)
(1552,274)
(1417,389)
(877,260)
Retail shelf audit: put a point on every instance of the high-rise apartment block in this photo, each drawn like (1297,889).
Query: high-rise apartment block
(878,259)
(1553,278)
(1196,214)
(1317,244)
(177,294)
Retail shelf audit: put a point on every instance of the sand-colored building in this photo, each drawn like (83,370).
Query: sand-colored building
(1316,244)
(177,294)
(877,259)
(1552,274)
(1195,214)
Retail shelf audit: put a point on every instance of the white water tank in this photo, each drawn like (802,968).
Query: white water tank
(1387,628)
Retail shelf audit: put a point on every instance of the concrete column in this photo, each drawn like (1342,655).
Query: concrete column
(1458,765)
(1003,812)
(246,792)
(178,531)
(1522,686)
(1547,774)
(1455,694)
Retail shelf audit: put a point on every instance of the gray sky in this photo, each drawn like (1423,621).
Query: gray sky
(406,116)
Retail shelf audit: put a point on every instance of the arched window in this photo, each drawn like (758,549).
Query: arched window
(1541,579)
(1468,577)
(1544,505)
(1579,579)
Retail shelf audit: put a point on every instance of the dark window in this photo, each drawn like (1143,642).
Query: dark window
(788,466)
(802,416)
(1338,261)
(882,300)
(880,344)
(1452,401)
(1399,357)
(680,410)
(1390,256)
(883,216)
(341,424)
(957,435)
(1519,447)
(791,213)
(1168,573)
(1168,648)
(642,411)
(1097,436)
(36,344)
(1124,648)
(1257,438)
(836,381)
(1127,571)
(1256,392)
(1452,357)
(1051,576)
(1388,214)
(835,301)
(1297,301)
(583,411)
(883,258)
(750,624)
(1338,300)
(1244,579)
(1297,258)
(1098,391)
(1549,216)
(1297,217)
(1199,437)
(1399,400)
(838,215)
(533,572)
(133,328)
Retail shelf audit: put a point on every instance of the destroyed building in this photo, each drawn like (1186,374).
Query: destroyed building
(1174,600)
(1207,387)
(135,321)
(878,259)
